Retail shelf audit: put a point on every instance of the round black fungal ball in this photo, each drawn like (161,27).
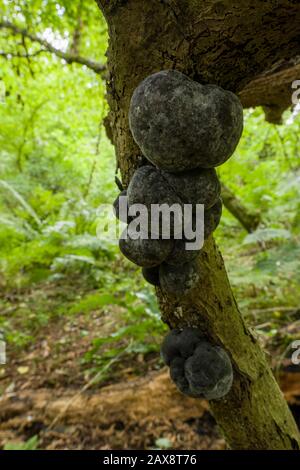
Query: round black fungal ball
(208,372)
(212,218)
(116,207)
(149,187)
(180,124)
(180,343)
(180,255)
(178,280)
(152,275)
(144,252)
(199,186)
(198,368)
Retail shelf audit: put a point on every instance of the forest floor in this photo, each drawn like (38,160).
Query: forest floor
(50,398)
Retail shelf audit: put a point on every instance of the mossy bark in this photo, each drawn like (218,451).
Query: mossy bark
(227,43)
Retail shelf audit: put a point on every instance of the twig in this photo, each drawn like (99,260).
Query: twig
(274,309)
(19,55)
(68,57)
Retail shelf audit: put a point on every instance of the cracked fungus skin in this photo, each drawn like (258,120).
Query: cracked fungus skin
(180,124)
(198,368)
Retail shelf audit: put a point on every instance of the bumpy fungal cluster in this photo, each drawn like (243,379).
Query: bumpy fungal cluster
(198,369)
(184,129)
(180,124)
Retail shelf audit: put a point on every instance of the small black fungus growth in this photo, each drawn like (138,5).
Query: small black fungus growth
(180,343)
(180,279)
(144,252)
(151,275)
(180,124)
(148,187)
(198,368)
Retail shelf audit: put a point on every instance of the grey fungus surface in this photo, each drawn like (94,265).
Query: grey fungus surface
(144,252)
(198,368)
(178,280)
(180,343)
(148,187)
(180,255)
(199,186)
(180,124)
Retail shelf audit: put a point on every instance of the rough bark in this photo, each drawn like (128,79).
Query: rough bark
(249,220)
(227,43)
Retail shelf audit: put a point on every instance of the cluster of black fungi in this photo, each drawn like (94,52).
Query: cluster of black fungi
(184,130)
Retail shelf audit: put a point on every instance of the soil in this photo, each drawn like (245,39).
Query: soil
(47,391)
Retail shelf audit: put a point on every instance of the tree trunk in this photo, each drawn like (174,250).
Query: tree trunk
(227,43)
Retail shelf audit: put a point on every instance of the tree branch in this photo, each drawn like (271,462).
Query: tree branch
(272,91)
(68,57)
(249,220)
(8,54)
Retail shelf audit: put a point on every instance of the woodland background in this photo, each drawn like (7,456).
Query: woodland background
(82,327)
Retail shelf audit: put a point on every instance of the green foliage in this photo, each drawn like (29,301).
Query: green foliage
(31,444)
(140,331)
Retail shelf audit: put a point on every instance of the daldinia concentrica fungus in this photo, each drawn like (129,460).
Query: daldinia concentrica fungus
(180,279)
(152,275)
(199,186)
(180,343)
(148,187)
(180,124)
(144,252)
(180,255)
(198,368)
